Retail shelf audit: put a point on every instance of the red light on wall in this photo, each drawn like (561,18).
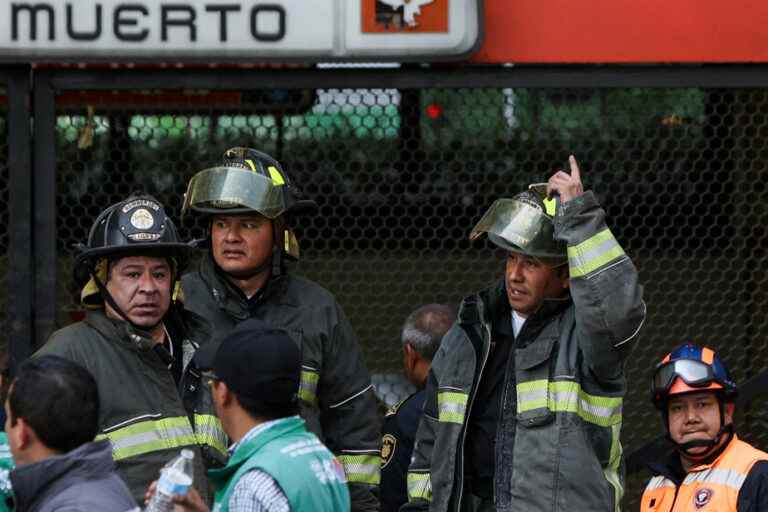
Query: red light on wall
(434,111)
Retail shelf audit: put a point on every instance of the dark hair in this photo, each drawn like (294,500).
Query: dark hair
(258,409)
(58,399)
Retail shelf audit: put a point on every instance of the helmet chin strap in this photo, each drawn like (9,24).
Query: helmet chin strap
(710,444)
(158,348)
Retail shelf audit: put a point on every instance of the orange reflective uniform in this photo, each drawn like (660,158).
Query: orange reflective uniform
(707,488)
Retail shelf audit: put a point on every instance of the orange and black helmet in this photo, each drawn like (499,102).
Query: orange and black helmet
(690,369)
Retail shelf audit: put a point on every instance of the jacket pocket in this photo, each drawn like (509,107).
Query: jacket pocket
(532,374)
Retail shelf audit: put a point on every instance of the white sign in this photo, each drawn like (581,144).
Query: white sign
(237,30)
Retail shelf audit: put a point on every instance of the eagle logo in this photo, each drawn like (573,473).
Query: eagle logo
(399,13)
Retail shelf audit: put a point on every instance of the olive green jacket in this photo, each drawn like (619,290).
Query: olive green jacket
(143,413)
(337,399)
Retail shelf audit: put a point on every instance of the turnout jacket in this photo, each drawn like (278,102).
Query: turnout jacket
(336,395)
(736,481)
(557,440)
(142,412)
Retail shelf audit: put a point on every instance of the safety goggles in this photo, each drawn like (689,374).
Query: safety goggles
(694,373)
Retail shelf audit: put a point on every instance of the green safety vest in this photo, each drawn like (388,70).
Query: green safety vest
(308,474)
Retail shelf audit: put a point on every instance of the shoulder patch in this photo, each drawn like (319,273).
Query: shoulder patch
(388,445)
(393,410)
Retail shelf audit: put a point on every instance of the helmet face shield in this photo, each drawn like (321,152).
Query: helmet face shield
(520,227)
(222,189)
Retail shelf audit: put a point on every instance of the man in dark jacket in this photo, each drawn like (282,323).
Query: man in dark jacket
(523,406)
(249,200)
(421,335)
(52,417)
(138,342)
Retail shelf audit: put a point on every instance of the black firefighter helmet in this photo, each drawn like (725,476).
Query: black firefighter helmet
(137,225)
(249,181)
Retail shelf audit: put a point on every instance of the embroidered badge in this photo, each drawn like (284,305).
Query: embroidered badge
(702,497)
(388,444)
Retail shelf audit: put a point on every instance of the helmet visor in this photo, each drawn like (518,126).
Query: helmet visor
(517,226)
(695,374)
(226,188)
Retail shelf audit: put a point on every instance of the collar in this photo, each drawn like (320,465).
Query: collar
(230,298)
(119,331)
(33,483)
(498,307)
(255,431)
(715,458)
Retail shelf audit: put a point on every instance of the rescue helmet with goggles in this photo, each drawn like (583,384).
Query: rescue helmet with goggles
(523,224)
(248,181)
(693,369)
(690,369)
(136,226)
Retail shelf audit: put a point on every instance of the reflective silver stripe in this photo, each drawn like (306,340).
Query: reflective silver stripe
(451,406)
(150,436)
(593,253)
(658,482)
(727,477)
(419,486)
(209,431)
(361,468)
(567,396)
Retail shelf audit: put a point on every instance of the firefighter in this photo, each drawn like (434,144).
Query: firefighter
(138,341)
(524,397)
(711,469)
(251,203)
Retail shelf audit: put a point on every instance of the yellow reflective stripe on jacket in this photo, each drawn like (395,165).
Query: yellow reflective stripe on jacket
(208,430)
(362,469)
(451,406)
(150,436)
(419,486)
(593,253)
(308,386)
(567,396)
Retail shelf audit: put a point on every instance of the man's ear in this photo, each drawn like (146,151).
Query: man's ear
(24,435)
(225,395)
(730,409)
(411,356)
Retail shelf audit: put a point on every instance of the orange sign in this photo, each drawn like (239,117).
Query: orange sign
(404,16)
(624,31)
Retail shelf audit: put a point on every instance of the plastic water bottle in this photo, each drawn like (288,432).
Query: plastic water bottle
(175,480)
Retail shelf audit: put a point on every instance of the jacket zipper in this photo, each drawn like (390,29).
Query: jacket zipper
(501,406)
(486,352)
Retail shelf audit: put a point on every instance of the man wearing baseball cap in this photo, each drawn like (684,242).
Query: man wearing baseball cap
(275,463)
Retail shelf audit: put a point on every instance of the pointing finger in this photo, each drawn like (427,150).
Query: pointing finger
(575,172)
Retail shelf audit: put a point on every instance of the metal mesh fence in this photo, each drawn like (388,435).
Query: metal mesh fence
(401,176)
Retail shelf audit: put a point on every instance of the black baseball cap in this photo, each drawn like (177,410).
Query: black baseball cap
(258,363)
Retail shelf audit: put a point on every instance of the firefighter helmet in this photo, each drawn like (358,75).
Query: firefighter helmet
(524,224)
